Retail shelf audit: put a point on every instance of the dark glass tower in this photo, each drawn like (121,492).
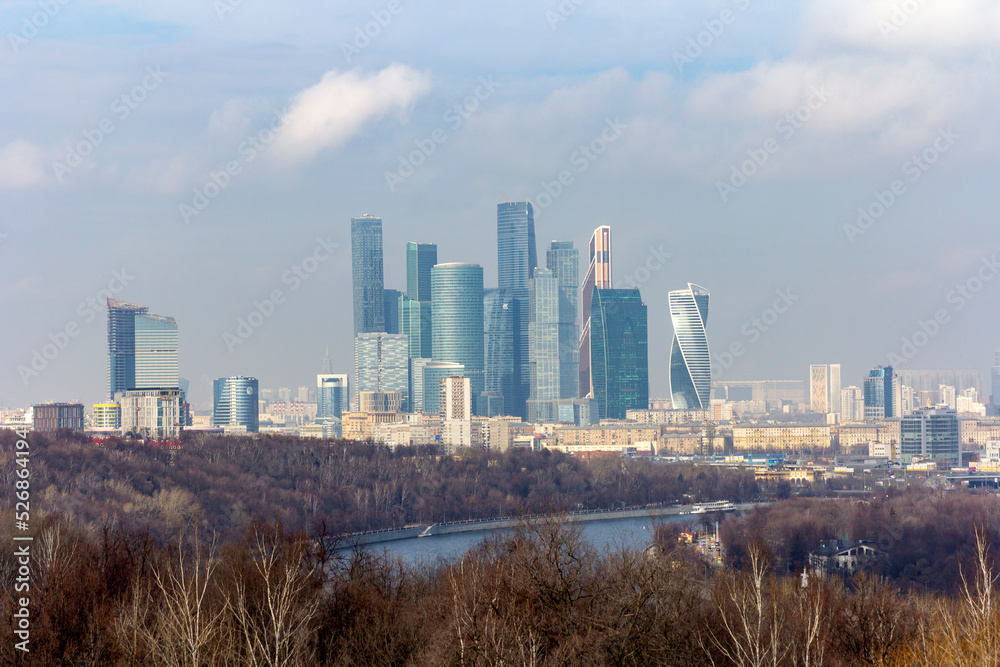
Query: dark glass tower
(391,300)
(420,257)
(121,345)
(619,361)
(457,319)
(366,273)
(499,325)
(516,261)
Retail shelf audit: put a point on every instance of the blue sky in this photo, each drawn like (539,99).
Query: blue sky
(883,88)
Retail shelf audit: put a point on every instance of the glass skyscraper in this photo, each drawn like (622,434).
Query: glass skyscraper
(332,395)
(121,345)
(543,339)
(933,433)
(457,320)
(882,394)
(619,352)
(415,305)
(382,363)
(235,403)
(598,277)
(155,352)
(391,299)
(500,320)
(564,262)
(366,272)
(690,362)
(516,261)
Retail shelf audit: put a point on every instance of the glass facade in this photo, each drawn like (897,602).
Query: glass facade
(517,258)
(500,320)
(619,352)
(236,402)
(415,324)
(690,361)
(457,319)
(598,276)
(382,363)
(564,262)
(882,394)
(543,337)
(332,395)
(427,376)
(420,257)
(155,352)
(366,272)
(121,345)
(932,433)
(391,299)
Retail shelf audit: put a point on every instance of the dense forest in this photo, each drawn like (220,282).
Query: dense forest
(222,483)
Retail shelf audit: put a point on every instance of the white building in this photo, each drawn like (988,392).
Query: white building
(153,413)
(852,404)
(946,395)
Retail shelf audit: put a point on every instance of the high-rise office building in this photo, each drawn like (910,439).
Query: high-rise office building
(882,394)
(500,320)
(931,433)
(457,320)
(420,258)
(516,261)
(121,345)
(415,305)
(155,352)
(391,300)
(235,403)
(824,388)
(543,342)
(619,352)
(366,272)
(332,395)
(564,262)
(690,361)
(326,368)
(598,277)
(382,363)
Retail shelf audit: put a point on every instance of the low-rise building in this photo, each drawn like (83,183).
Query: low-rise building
(49,417)
(843,556)
(782,437)
(152,413)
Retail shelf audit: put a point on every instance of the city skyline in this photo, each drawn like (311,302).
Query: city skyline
(803,149)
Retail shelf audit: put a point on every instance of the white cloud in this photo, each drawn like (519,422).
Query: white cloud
(20,165)
(337,108)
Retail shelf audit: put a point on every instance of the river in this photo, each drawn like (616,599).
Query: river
(633,532)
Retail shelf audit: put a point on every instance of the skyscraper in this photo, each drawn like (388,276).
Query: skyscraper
(690,361)
(500,321)
(332,395)
(882,394)
(457,319)
(516,261)
(366,271)
(619,352)
(564,262)
(824,388)
(121,345)
(933,433)
(391,310)
(415,305)
(598,277)
(235,403)
(327,366)
(543,344)
(382,364)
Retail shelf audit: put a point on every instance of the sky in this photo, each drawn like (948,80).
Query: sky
(826,168)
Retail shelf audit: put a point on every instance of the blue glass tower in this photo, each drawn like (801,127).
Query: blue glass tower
(500,322)
(564,262)
(155,352)
(121,345)
(415,305)
(516,261)
(690,361)
(366,273)
(619,361)
(457,319)
(235,403)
